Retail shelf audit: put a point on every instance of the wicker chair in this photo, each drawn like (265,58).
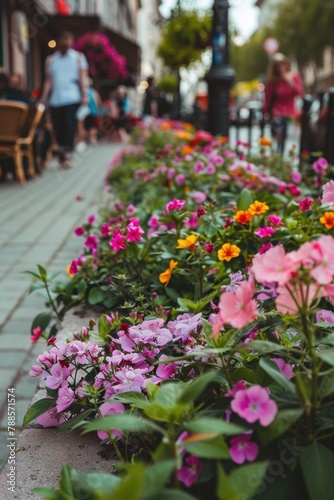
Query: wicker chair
(13,117)
(26,142)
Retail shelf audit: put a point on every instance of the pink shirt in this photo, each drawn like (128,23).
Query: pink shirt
(280,96)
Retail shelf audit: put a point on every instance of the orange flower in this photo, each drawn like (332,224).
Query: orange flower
(264,141)
(68,271)
(166,275)
(187,150)
(258,207)
(182,134)
(189,242)
(188,126)
(228,252)
(243,216)
(327,219)
(223,140)
(165,126)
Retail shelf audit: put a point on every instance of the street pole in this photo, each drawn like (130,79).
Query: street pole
(221,76)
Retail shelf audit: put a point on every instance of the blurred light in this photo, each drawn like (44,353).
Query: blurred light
(143,84)
(52,44)
(261,87)
(238,40)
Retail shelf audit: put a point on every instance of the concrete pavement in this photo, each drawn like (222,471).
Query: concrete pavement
(36,227)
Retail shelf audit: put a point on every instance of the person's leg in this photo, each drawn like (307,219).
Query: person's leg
(58,118)
(70,125)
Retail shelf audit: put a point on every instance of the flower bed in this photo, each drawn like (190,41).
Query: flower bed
(211,369)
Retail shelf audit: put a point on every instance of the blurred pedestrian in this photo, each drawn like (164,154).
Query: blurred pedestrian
(66,86)
(150,107)
(15,90)
(3,83)
(123,106)
(282,88)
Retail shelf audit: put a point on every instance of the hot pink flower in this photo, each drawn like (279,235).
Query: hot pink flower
(284,367)
(328,193)
(36,333)
(118,242)
(265,247)
(79,231)
(189,475)
(265,232)
(134,233)
(294,191)
(238,308)
(180,179)
(111,409)
(239,386)
(275,220)
(305,204)
(165,371)
(254,404)
(243,449)
(273,265)
(320,166)
(296,177)
(175,205)
(58,377)
(91,242)
(105,229)
(65,399)
(91,219)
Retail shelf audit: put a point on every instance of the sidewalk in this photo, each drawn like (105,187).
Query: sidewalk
(36,227)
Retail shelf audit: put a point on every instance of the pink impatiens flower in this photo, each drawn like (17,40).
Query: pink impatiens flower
(118,242)
(134,233)
(189,474)
(36,333)
(284,367)
(79,231)
(175,205)
(243,449)
(254,404)
(328,193)
(65,398)
(238,308)
(273,265)
(305,204)
(111,409)
(265,232)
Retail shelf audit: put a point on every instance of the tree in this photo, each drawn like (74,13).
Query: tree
(249,60)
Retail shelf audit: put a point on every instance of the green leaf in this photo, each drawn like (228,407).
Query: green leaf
(195,307)
(72,422)
(42,320)
(207,330)
(214,448)
(172,494)
(243,482)
(263,346)
(48,494)
(317,463)
(42,272)
(283,421)
(37,276)
(327,355)
(244,199)
(38,409)
(156,478)
(192,390)
(326,387)
(135,399)
(66,476)
(131,488)
(103,327)
(95,485)
(274,372)
(123,422)
(96,295)
(214,425)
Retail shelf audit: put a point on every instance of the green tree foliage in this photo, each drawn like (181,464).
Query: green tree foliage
(249,60)
(184,37)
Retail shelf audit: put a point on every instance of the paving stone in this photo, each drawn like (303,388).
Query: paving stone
(10,358)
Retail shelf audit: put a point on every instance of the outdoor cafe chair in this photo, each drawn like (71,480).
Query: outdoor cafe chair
(13,117)
(26,142)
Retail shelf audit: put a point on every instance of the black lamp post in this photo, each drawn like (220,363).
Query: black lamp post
(221,76)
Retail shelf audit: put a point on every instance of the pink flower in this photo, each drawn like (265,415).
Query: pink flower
(35,371)
(296,177)
(305,204)
(273,265)
(78,197)
(58,377)
(265,247)
(188,475)
(291,299)
(265,232)
(239,386)
(294,191)
(192,222)
(254,404)
(275,220)
(238,308)
(209,247)
(134,233)
(320,166)
(91,219)
(199,166)
(36,333)
(175,205)
(200,211)
(180,179)
(210,169)
(105,229)
(79,231)
(118,242)
(65,399)
(243,449)
(328,193)
(284,367)
(91,242)
(165,371)
(111,409)
(325,315)
(198,196)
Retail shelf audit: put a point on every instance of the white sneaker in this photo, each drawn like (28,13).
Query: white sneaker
(81,147)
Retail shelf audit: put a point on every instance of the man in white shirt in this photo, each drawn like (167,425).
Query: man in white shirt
(65,86)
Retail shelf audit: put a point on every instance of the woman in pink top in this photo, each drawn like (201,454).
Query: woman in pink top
(282,88)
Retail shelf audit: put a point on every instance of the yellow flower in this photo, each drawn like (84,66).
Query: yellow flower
(327,219)
(166,275)
(243,216)
(182,134)
(68,271)
(264,141)
(258,207)
(228,252)
(189,242)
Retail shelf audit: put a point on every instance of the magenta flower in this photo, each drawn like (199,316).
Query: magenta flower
(239,386)
(180,179)
(111,409)
(210,169)
(254,404)
(91,219)
(243,449)
(320,166)
(134,233)
(117,242)
(275,220)
(58,377)
(175,205)
(265,247)
(325,315)
(328,193)
(265,232)
(284,367)
(36,333)
(165,371)
(199,166)
(79,231)
(305,204)
(91,242)
(209,247)
(65,399)
(238,308)
(105,228)
(296,177)
(188,475)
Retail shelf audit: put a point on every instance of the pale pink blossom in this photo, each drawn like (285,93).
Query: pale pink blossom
(198,196)
(238,308)
(254,404)
(325,315)
(296,177)
(242,449)
(328,193)
(58,377)
(273,265)
(111,409)
(65,399)
(292,298)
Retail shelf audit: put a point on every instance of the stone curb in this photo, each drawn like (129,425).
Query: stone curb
(40,453)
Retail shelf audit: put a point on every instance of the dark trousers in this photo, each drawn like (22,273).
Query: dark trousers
(64,124)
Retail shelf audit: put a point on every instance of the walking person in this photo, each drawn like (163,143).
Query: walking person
(65,88)
(150,105)
(282,88)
